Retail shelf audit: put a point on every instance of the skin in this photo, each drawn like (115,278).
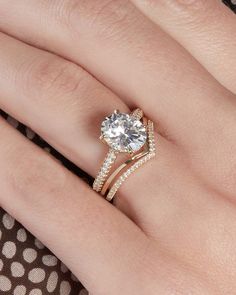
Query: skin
(64,66)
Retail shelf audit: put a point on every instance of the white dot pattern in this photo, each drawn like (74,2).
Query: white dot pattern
(30,133)
(37,275)
(65,288)
(49,260)
(35,292)
(20,290)
(52,282)
(17,269)
(21,235)
(8,221)
(13,122)
(38,244)
(9,249)
(29,255)
(1,264)
(52,277)
(5,284)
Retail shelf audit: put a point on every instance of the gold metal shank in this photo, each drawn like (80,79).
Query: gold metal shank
(142,160)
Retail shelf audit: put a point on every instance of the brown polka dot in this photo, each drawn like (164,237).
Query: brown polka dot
(29,255)
(13,122)
(64,268)
(36,275)
(52,282)
(21,235)
(8,221)
(5,284)
(17,269)
(9,249)
(38,244)
(35,292)
(30,133)
(49,260)
(1,264)
(65,288)
(19,290)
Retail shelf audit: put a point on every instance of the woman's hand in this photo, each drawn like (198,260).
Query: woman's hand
(66,64)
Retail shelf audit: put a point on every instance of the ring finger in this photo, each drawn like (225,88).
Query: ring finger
(64,104)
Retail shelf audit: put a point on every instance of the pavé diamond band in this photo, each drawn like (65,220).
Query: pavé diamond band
(130,134)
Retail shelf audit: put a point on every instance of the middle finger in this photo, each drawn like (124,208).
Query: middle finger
(114,41)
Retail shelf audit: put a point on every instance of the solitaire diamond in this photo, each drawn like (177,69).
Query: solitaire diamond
(123,132)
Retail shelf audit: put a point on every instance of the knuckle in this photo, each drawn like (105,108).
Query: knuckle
(190,5)
(52,79)
(191,11)
(107,18)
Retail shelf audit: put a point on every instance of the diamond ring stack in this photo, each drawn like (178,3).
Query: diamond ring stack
(131,134)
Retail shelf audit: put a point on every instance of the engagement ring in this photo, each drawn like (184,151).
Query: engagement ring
(130,134)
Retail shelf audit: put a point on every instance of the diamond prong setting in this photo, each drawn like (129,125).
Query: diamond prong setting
(124,132)
(132,134)
(150,154)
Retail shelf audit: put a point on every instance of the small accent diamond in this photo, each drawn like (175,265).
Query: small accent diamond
(102,175)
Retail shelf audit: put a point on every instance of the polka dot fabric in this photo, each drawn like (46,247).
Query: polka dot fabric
(27,267)
(231,4)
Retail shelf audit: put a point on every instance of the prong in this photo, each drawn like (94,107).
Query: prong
(101,137)
(116,112)
(130,151)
